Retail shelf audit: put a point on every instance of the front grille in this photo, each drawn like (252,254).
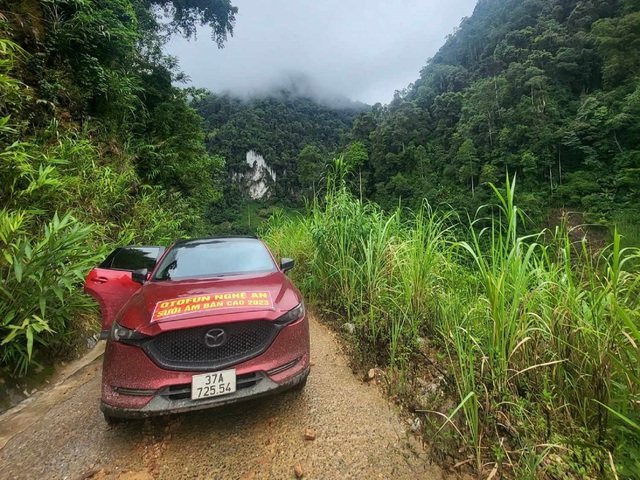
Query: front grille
(183,391)
(186,349)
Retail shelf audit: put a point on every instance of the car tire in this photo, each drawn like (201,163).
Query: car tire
(300,386)
(111,420)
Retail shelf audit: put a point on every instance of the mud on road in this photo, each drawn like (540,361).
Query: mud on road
(357,434)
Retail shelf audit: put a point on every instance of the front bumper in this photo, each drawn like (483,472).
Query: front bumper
(161,405)
(133,386)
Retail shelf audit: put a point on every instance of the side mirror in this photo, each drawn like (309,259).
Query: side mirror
(139,276)
(286,264)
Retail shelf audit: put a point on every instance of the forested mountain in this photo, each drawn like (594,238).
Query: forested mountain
(97,147)
(294,133)
(545,89)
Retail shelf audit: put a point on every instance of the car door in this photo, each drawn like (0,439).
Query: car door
(111,284)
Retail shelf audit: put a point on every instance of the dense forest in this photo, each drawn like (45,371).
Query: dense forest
(97,147)
(545,89)
(293,132)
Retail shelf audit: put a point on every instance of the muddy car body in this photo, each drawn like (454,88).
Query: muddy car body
(208,322)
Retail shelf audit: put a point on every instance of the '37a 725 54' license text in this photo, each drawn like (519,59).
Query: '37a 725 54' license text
(213,384)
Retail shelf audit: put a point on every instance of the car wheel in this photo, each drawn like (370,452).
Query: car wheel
(300,385)
(111,420)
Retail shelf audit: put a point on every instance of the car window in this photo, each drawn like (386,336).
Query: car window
(213,258)
(135,258)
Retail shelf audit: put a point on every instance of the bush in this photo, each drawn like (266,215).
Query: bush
(540,332)
(40,283)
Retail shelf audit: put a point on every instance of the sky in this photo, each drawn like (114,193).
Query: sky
(364,50)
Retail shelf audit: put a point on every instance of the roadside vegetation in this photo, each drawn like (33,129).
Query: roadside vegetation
(97,148)
(537,335)
(547,89)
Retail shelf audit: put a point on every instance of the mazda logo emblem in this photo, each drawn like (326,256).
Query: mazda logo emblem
(216,337)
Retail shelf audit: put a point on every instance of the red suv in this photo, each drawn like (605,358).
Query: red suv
(205,323)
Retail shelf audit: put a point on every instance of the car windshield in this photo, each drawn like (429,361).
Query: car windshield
(215,258)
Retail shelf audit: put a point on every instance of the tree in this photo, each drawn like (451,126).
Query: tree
(467,157)
(185,15)
(618,41)
(309,169)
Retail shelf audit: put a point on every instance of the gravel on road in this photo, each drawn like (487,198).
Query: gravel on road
(338,427)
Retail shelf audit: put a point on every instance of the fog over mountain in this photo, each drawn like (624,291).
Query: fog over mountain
(294,84)
(362,50)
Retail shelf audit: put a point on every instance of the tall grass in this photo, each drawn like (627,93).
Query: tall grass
(541,332)
(373,269)
(510,275)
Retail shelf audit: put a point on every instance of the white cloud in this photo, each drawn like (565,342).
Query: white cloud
(362,49)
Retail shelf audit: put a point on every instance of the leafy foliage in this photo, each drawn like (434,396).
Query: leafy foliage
(544,89)
(39,283)
(292,132)
(185,15)
(97,148)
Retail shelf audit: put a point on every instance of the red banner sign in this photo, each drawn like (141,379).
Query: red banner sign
(214,301)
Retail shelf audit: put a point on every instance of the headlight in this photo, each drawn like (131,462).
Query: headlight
(292,315)
(122,334)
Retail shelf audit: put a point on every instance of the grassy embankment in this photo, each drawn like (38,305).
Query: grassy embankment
(538,335)
(68,194)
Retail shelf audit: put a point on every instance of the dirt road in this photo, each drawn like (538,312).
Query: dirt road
(358,434)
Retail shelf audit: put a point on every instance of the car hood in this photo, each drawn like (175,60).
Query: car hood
(167,305)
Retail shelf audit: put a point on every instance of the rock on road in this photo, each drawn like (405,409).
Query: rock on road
(357,434)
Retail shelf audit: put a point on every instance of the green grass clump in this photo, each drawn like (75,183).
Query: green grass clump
(541,333)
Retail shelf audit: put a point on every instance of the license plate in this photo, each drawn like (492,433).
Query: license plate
(213,384)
